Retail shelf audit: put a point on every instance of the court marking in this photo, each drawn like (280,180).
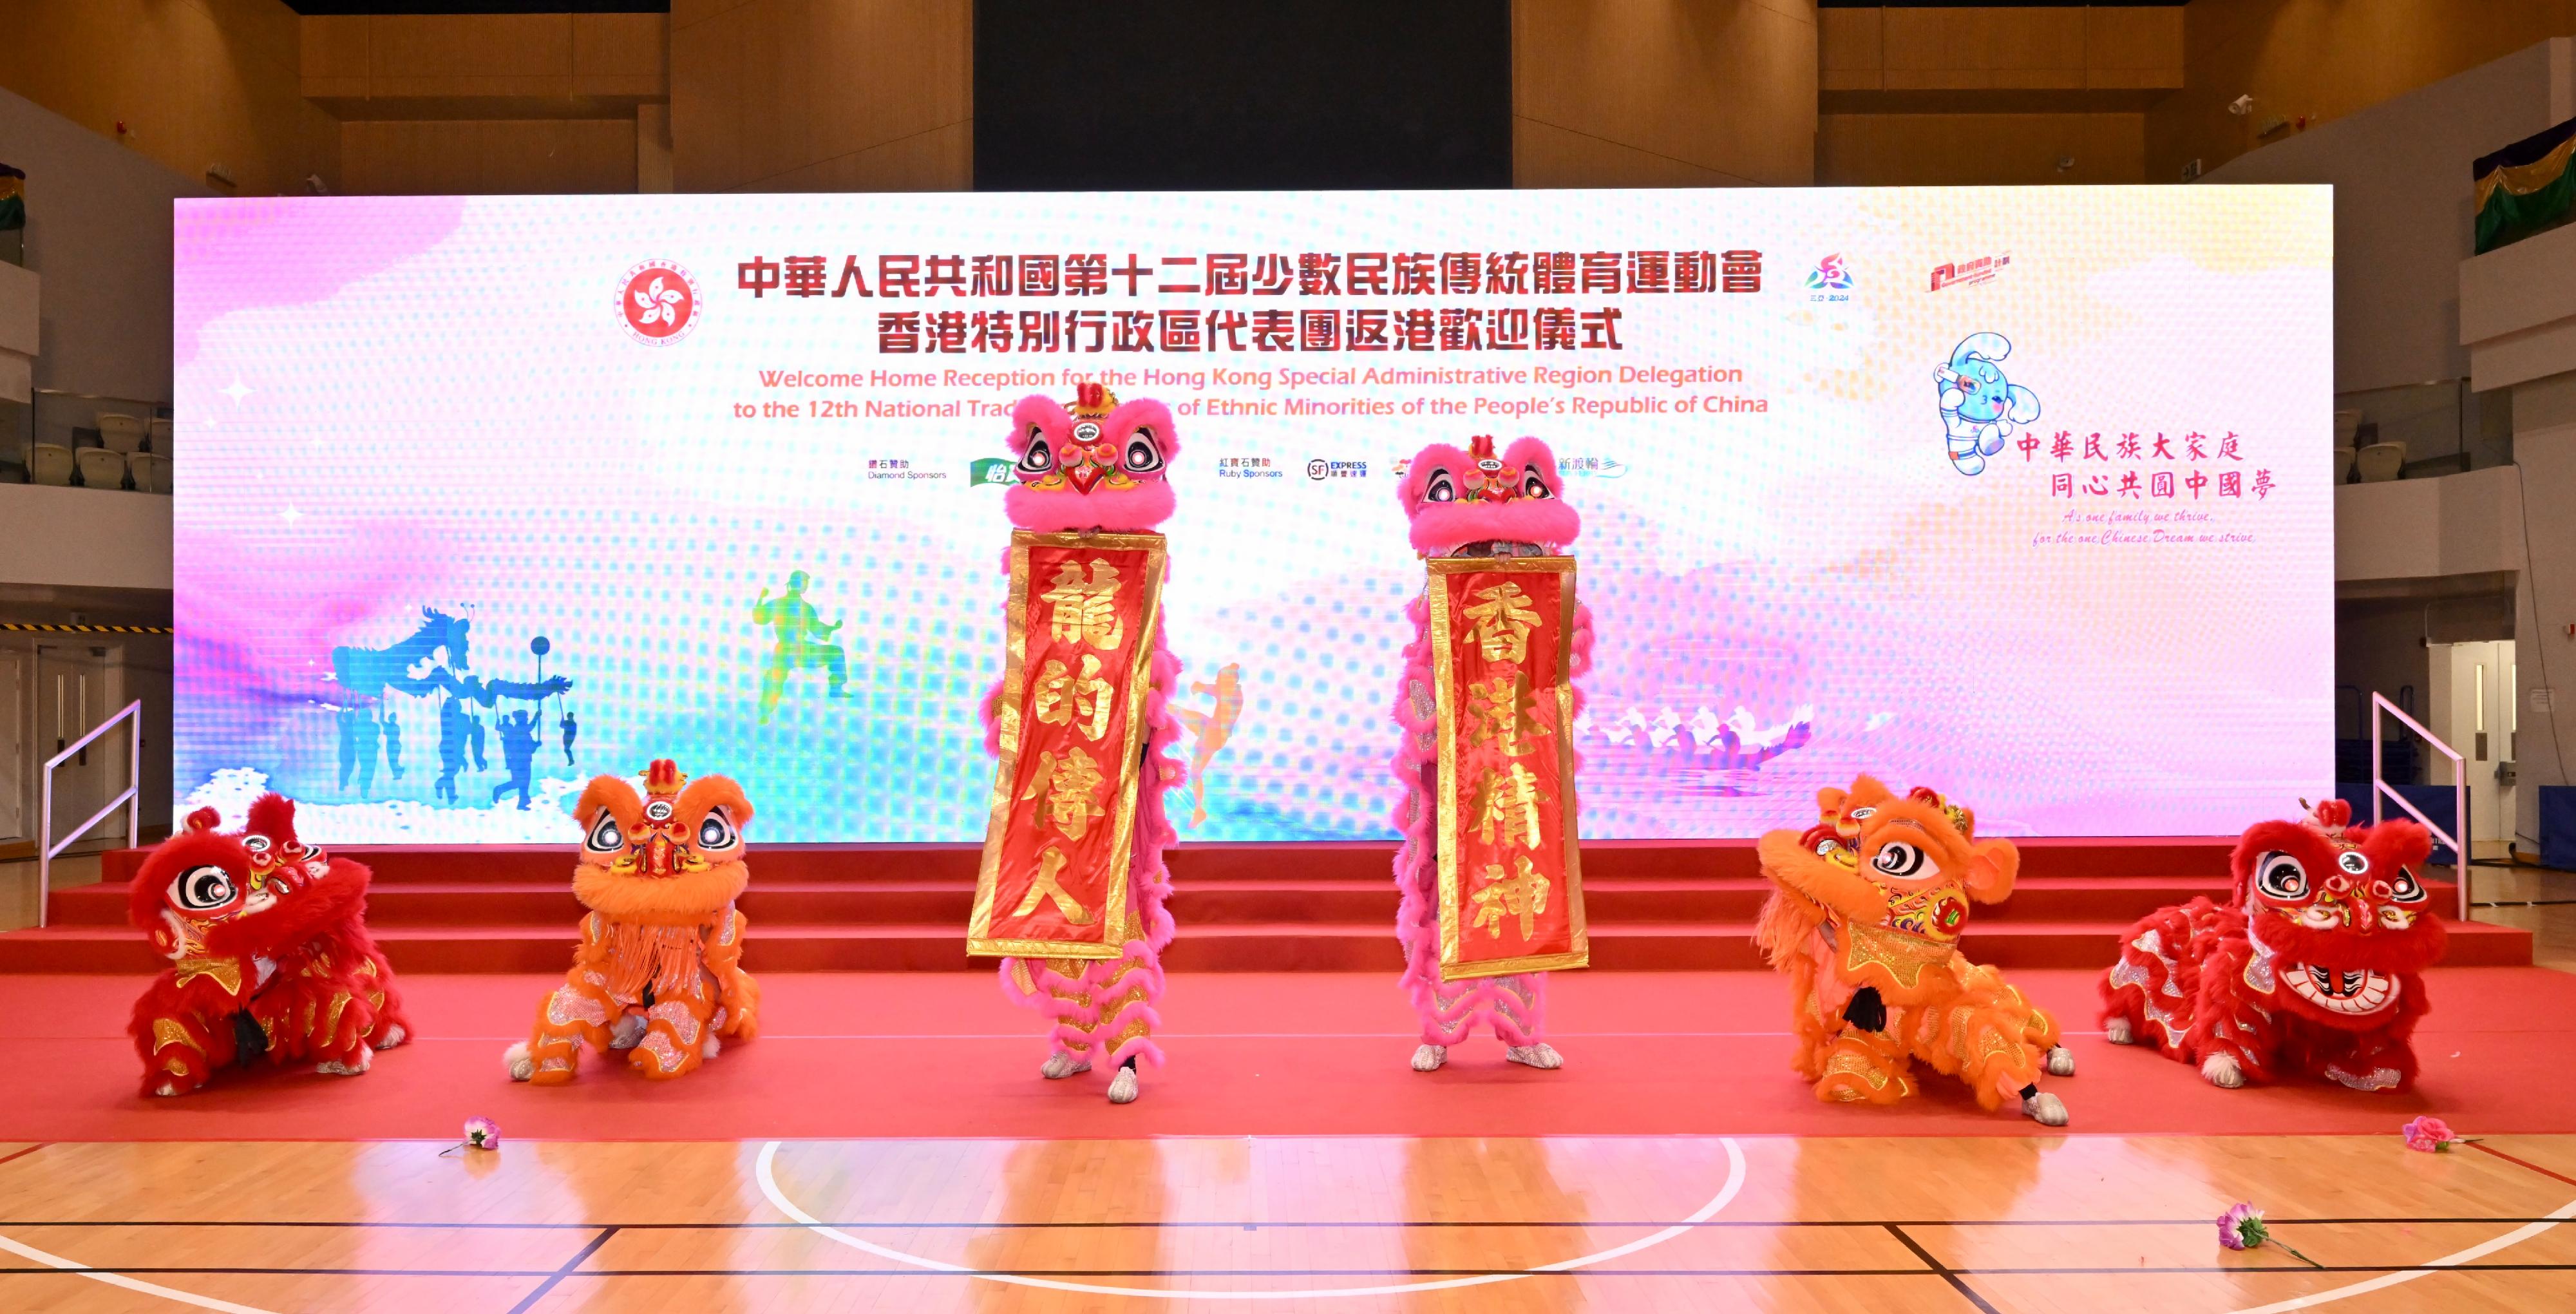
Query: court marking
(766,1171)
(24,1251)
(2474,1253)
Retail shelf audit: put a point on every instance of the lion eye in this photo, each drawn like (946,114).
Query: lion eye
(1532,485)
(717,832)
(1039,459)
(1144,455)
(604,836)
(1441,488)
(203,889)
(1898,859)
(2279,876)
(2407,889)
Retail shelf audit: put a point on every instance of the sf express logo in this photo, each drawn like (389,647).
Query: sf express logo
(660,302)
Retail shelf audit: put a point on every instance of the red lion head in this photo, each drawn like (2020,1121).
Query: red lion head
(205,891)
(1477,504)
(1097,467)
(2340,911)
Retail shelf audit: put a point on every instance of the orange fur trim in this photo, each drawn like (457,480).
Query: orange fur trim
(684,899)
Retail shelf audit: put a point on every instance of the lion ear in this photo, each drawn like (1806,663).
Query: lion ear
(205,819)
(1992,865)
(1830,798)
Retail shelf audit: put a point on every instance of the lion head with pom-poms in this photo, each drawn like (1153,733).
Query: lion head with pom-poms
(1474,503)
(1099,466)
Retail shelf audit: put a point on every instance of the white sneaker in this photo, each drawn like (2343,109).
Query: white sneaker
(1541,1055)
(2117,1032)
(1122,1088)
(2061,1062)
(1428,1058)
(1060,1065)
(2045,1109)
(516,1060)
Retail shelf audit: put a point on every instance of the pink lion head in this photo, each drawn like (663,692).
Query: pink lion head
(1476,504)
(1099,467)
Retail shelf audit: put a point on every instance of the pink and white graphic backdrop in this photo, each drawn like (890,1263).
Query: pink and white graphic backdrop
(420,435)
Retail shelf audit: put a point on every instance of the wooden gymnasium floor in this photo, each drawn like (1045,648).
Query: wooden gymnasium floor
(1697,1223)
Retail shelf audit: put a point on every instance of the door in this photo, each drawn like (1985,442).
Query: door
(2474,711)
(76,688)
(18,755)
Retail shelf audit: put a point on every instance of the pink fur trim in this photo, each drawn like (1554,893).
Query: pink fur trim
(1118,510)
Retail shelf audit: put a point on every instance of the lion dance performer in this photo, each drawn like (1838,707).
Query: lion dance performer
(1476,508)
(264,958)
(2313,967)
(1072,889)
(658,972)
(275,848)
(1864,918)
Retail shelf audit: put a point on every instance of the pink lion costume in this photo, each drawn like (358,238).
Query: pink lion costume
(1467,504)
(1100,469)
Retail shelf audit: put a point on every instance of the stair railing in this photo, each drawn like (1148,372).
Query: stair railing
(131,800)
(2380,788)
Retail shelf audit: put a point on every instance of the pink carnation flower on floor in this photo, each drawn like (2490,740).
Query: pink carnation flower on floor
(2241,1227)
(482,1133)
(2428,1134)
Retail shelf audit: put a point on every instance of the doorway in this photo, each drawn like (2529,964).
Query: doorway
(2475,705)
(76,688)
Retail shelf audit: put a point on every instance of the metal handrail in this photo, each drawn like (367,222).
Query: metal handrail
(2379,787)
(132,800)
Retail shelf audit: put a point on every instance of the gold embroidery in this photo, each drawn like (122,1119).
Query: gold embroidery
(1085,611)
(225,971)
(1506,804)
(1503,620)
(1071,785)
(1499,713)
(1083,702)
(1904,956)
(1523,895)
(167,1032)
(1047,887)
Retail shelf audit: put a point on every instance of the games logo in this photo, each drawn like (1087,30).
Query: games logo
(1830,275)
(660,302)
(1980,270)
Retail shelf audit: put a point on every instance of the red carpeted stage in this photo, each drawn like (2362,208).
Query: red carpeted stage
(1655,905)
(1252,1054)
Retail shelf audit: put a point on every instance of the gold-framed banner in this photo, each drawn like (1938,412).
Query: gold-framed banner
(1511,869)
(1082,616)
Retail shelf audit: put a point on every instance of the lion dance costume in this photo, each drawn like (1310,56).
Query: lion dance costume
(1864,917)
(2313,968)
(659,969)
(269,955)
(1467,504)
(1100,469)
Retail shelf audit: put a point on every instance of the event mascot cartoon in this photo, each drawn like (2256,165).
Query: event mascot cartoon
(1467,504)
(1864,917)
(1100,469)
(658,972)
(267,957)
(2312,969)
(1979,406)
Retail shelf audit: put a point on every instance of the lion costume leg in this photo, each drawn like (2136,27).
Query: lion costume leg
(1863,1067)
(181,1048)
(1127,990)
(1519,1006)
(678,1032)
(318,1018)
(576,1013)
(1042,984)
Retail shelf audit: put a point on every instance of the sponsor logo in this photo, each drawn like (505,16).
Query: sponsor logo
(1321,469)
(1592,467)
(659,301)
(1980,270)
(1830,275)
(988,470)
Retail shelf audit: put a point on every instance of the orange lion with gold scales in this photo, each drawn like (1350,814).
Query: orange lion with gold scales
(1864,918)
(658,973)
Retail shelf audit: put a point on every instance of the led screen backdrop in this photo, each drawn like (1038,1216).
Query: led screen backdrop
(2022,494)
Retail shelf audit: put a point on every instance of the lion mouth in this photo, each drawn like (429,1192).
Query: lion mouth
(2352,993)
(1499,547)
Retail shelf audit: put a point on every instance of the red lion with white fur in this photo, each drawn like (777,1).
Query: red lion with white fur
(2312,969)
(268,955)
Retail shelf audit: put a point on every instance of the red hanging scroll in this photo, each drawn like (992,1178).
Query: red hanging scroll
(1511,875)
(1082,614)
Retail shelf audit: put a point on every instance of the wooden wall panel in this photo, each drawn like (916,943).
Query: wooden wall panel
(489,157)
(491,66)
(795,94)
(2325,59)
(1663,92)
(1934,150)
(198,82)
